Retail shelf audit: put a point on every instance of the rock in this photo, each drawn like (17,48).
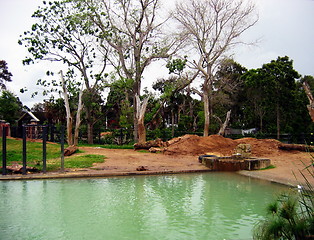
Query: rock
(244,150)
(141,168)
(17,168)
(147,145)
(155,150)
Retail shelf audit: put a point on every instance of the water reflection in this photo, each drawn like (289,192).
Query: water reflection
(191,206)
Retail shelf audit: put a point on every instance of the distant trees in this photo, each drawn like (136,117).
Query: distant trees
(272,95)
(10,107)
(5,75)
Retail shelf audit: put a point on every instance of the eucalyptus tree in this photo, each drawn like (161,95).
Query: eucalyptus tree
(137,37)
(64,33)
(212,28)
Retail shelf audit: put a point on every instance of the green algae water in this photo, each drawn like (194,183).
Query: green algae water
(190,206)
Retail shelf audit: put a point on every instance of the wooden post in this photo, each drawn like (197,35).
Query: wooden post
(62,148)
(44,149)
(4,151)
(24,151)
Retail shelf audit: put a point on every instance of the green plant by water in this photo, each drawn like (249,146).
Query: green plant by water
(291,216)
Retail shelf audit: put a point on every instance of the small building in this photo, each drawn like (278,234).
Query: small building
(33,122)
(7,125)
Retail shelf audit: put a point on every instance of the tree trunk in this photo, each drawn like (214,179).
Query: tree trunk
(135,120)
(298,147)
(141,132)
(206,112)
(140,119)
(309,95)
(70,150)
(78,119)
(90,131)
(278,121)
(225,124)
(90,123)
(172,123)
(68,111)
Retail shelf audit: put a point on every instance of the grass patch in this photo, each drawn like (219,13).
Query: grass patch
(269,167)
(110,146)
(33,151)
(143,151)
(34,156)
(84,161)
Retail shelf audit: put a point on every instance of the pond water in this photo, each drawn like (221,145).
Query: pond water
(189,206)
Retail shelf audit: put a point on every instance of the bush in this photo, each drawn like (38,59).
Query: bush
(291,216)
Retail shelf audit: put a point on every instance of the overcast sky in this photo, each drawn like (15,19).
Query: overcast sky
(285,28)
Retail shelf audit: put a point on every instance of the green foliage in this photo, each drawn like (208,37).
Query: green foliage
(5,75)
(271,95)
(289,217)
(63,32)
(176,65)
(119,103)
(126,117)
(10,107)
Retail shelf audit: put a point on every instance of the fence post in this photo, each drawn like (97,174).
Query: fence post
(4,151)
(44,148)
(24,151)
(62,148)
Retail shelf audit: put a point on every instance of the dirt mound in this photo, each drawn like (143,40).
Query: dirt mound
(218,145)
(195,145)
(261,147)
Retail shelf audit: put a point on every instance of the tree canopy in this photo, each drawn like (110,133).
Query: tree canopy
(5,75)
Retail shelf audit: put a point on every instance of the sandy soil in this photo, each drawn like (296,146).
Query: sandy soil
(287,171)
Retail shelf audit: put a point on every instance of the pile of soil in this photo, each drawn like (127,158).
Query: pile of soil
(261,147)
(219,145)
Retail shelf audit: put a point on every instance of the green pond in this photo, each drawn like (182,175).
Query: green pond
(187,206)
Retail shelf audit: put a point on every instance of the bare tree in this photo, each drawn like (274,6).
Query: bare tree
(213,27)
(136,35)
(70,140)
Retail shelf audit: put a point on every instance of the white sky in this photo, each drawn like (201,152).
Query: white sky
(285,27)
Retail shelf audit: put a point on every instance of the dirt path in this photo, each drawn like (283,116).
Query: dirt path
(287,164)
(128,160)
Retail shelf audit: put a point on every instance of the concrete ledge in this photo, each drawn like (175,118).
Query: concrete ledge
(93,174)
(235,164)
